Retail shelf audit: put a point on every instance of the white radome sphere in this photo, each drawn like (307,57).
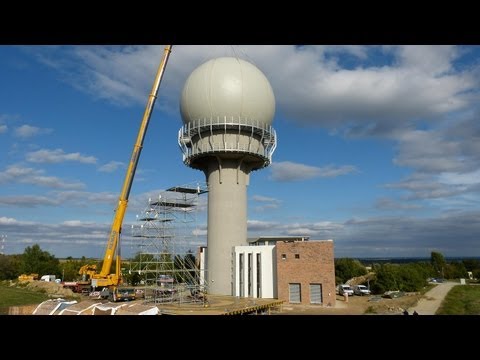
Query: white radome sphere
(230,87)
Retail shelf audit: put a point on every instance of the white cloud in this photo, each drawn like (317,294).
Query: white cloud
(433,60)
(3,129)
(7,221)
(26,175)
(73,198)
(445,161)
(72,223)
(27,131)
(421,186)
(28,201)
(268,203)
(409,94)
(469,178)
(111,166)
(199,232)
(390,204)
(301,232)
(428,151)
(81,198)
(264,199)
(370,96)
(58,156)
(451,233)
(257,225)
(290,171)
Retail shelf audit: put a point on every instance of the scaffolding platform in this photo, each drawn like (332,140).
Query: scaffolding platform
(166,246)
(223,305)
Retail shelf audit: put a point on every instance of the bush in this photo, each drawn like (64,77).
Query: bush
(406,277)
(346,268)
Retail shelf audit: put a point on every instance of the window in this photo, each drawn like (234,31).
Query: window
(259,275)
(241,275)
(297,256)
(295,295)
(250,275)
(316,294)
(284,256)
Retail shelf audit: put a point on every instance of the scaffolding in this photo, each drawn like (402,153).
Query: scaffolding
(165,260)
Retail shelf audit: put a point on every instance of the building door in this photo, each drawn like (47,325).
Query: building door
(294,293)
(316,294)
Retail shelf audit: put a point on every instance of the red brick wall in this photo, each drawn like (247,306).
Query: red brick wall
(315,265)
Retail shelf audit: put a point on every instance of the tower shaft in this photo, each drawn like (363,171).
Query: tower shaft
(227,217)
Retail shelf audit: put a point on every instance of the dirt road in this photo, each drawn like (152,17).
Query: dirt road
(356,305)
(432,299)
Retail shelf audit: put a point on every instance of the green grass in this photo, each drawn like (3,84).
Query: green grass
(12,296)
(461,300)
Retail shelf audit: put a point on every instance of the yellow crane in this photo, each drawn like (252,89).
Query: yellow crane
(104,278)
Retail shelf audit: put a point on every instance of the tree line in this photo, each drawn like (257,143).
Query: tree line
(34,260)
(408,277)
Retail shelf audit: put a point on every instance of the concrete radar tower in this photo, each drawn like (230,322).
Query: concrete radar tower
(227,108)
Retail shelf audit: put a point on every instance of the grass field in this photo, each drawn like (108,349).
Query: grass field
(461,300)
(12,296)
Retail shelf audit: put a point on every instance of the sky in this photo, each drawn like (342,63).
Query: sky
(378,146)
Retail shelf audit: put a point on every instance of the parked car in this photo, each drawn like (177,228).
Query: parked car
(361,290)
(345,289)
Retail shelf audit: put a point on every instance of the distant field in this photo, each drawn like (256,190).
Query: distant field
(11,296)
(461,300)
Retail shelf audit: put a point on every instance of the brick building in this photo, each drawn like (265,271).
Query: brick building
(287,268)
(305,272)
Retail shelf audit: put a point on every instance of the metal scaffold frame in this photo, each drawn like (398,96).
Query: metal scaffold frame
(166,257)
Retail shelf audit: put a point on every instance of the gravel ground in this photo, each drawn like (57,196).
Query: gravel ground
(432,299)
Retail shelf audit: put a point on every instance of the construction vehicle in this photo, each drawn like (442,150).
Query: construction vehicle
(30,277)
(89,272)
(81,287)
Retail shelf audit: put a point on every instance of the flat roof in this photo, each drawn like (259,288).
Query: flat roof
(278,238)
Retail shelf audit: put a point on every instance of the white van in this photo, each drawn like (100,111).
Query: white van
(345,289)
(47,278)
(361,290)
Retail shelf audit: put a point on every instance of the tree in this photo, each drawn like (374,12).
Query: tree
(456,270)
(346,268)
(34,260)
(471,264)
(406,277)
(71,267)
(9,267)
(132,277)
(386,278)
(438,262)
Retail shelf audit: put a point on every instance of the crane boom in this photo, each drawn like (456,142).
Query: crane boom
(104,278)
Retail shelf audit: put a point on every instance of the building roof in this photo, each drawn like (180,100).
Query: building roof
(277,238)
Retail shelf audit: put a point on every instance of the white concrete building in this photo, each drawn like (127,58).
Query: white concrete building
(254,271)
(260,270)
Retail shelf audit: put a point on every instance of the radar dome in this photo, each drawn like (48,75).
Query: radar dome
(227,87)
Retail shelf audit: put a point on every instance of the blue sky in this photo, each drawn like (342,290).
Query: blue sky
(378,146)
